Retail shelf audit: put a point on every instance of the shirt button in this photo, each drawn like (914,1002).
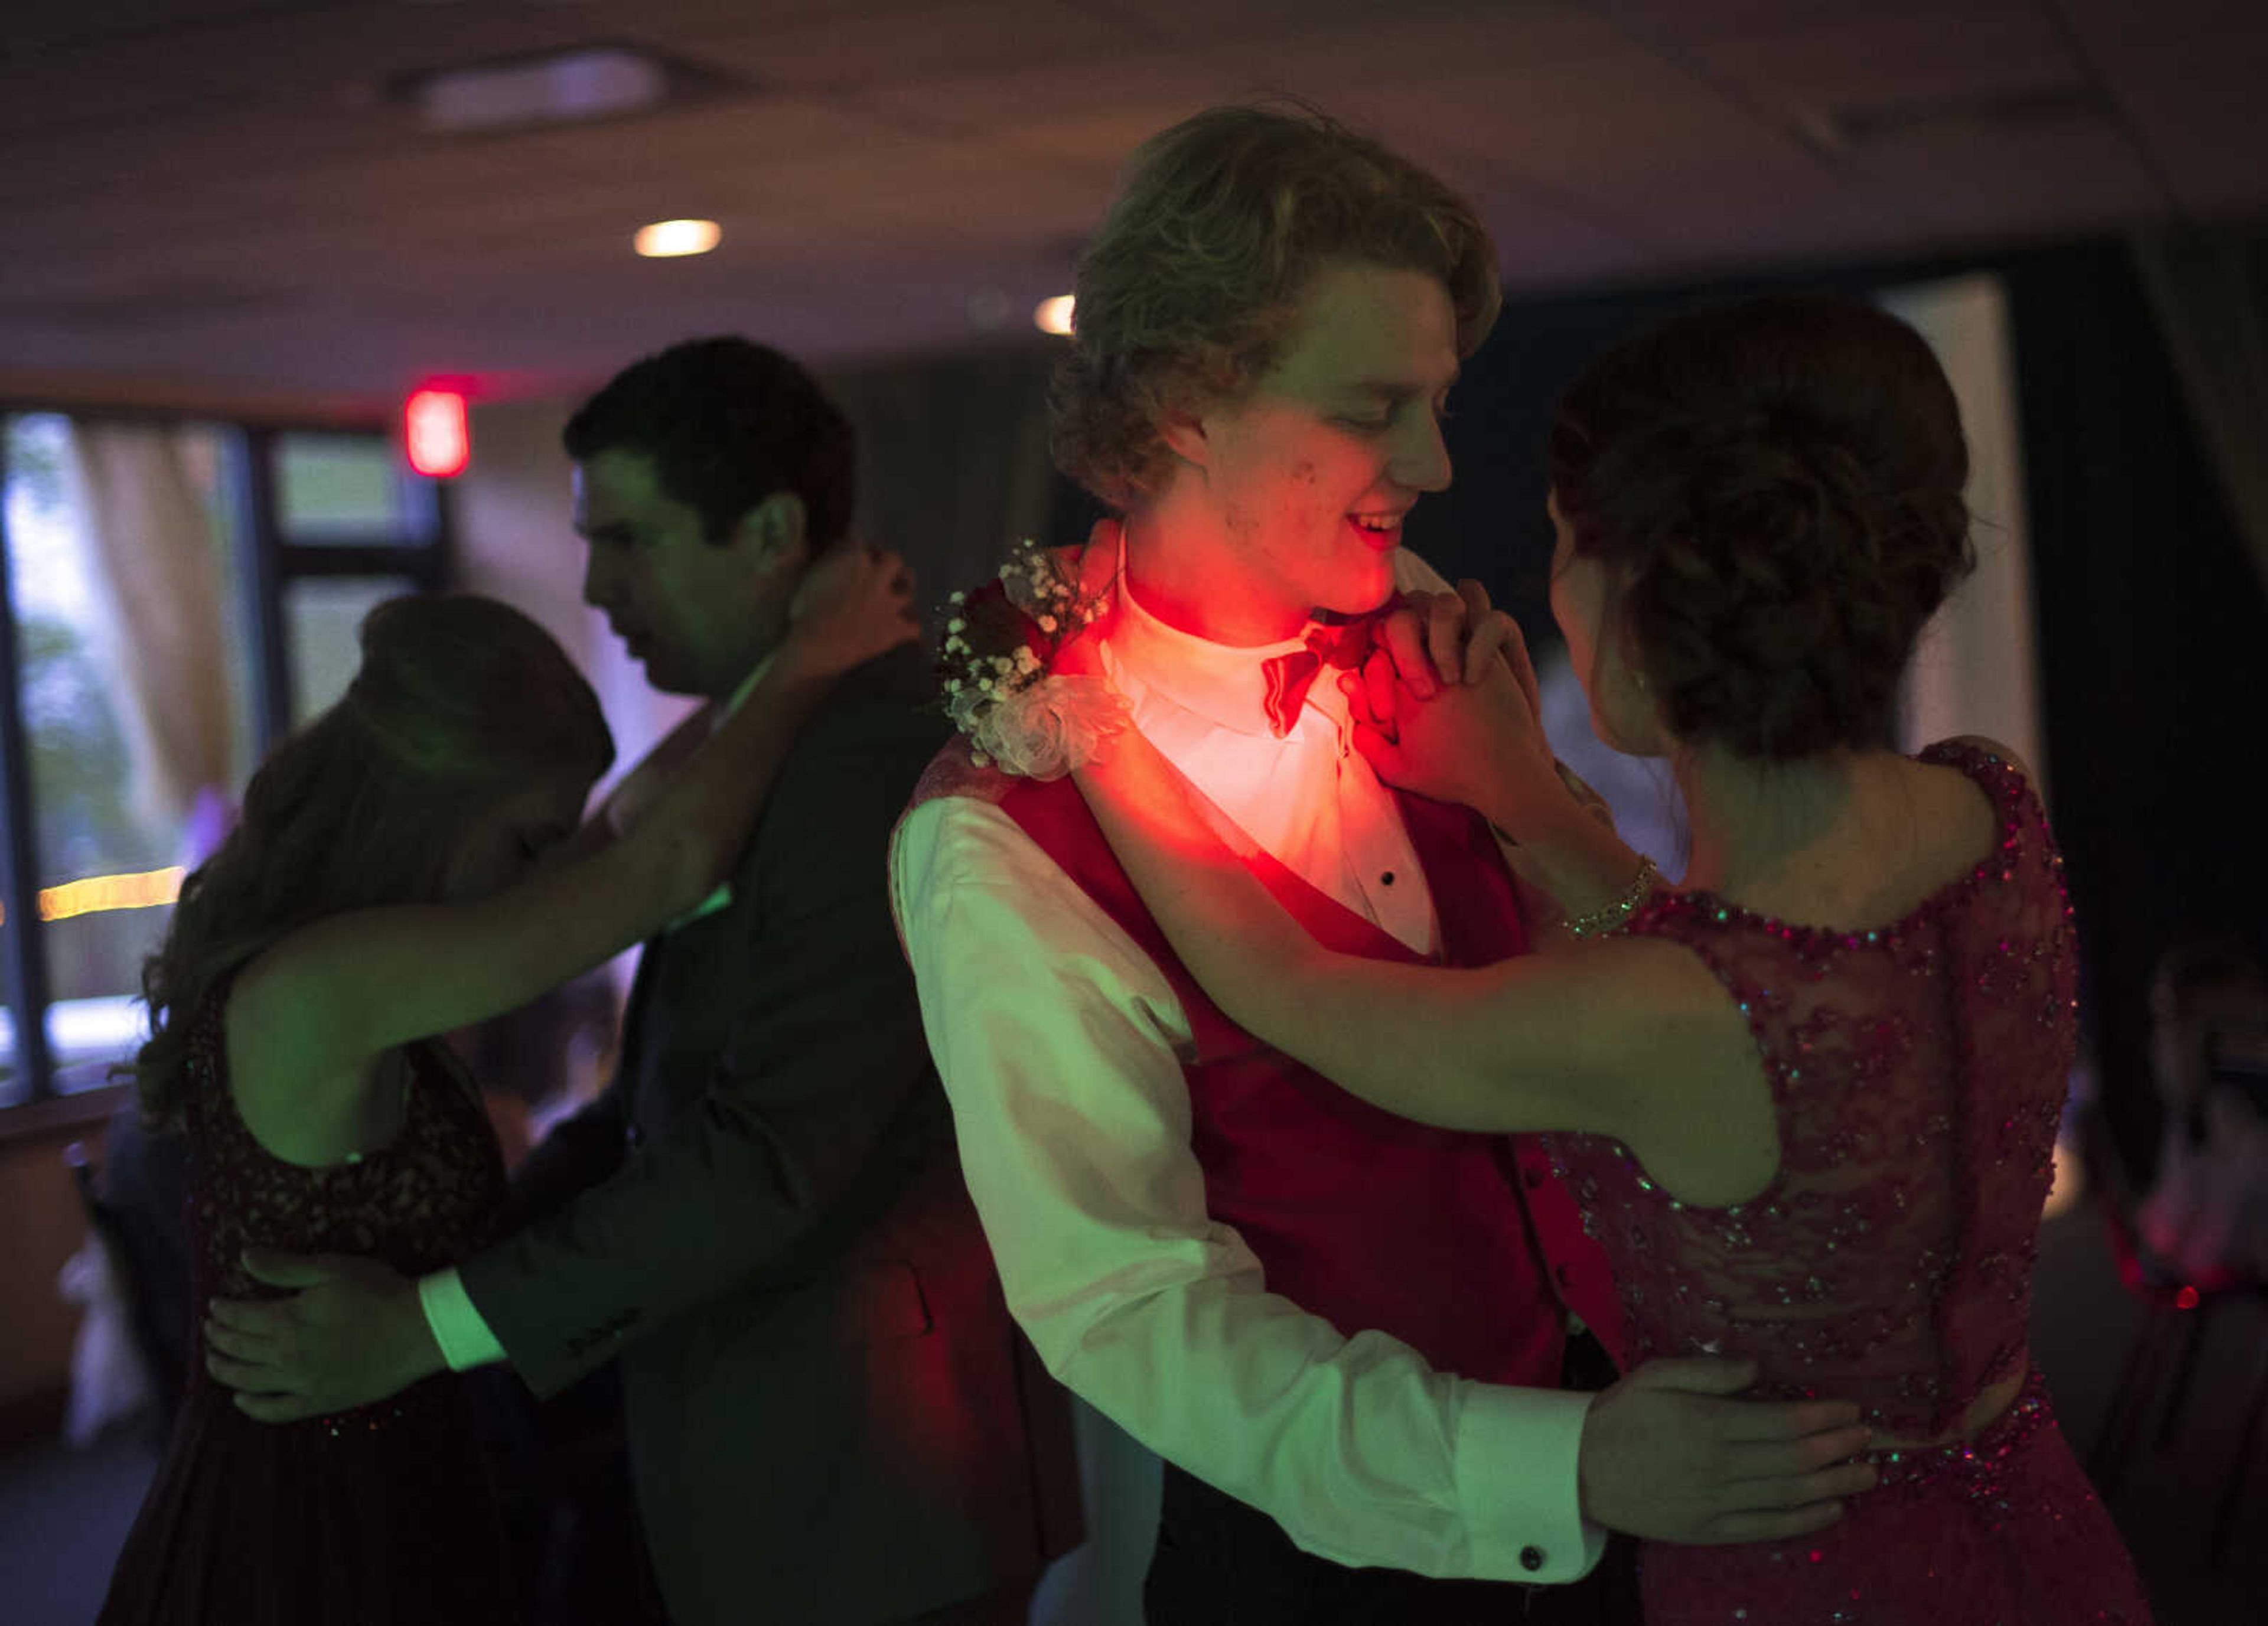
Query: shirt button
(1387,880)
(1531,1558)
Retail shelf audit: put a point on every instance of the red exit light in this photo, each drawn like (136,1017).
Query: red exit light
(434,433)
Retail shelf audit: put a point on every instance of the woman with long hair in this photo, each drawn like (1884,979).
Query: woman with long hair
(1813,1091)
(412,861)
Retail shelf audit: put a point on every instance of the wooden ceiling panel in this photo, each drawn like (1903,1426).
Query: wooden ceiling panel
(1207,23)
(851,53)
(1899,58)
(1336,66)
(340,227)
(1720,20)
(2191,77)
(338,56)
(228,188)
(1955,182)
(1653,153)
(1051,109)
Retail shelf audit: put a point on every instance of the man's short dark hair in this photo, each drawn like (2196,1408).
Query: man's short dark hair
(728,422)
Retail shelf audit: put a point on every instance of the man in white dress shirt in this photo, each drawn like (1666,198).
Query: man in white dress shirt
(1267,325)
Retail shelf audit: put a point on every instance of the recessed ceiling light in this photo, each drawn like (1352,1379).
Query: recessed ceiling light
(667,239)
(1054,315)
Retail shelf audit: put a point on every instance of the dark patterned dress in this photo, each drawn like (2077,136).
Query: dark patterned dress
(1918,1072)
(380,1516)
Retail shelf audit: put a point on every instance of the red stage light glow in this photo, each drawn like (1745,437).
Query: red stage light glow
(434,435)
(2187,1298)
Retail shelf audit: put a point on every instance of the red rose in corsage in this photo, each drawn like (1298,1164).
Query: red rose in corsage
(998,667)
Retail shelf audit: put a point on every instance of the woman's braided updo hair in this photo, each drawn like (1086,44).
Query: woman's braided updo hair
(1775,488)
(459,702)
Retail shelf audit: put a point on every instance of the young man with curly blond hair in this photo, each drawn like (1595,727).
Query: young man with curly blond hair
(1346,1335)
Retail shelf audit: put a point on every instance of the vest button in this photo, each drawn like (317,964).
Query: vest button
(1531,1177)
(1531,1558)
(1562,1274)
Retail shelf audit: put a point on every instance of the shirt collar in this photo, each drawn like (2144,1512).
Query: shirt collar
(738,696)
(722,898)
(1224,685)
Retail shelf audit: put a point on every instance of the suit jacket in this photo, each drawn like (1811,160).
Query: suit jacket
(832,1419)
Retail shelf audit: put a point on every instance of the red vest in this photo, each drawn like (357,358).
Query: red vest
(1464,1246)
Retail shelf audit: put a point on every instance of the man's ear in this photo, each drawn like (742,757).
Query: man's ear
(1183,431)
(775,529)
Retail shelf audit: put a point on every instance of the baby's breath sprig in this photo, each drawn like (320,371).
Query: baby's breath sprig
(1000,644)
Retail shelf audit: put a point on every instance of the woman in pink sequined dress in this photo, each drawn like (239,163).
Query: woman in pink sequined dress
(383,890)
(1809,1096)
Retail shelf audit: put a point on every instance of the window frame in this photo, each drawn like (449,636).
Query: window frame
(268,559)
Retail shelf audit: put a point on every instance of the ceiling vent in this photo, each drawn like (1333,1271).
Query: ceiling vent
(581,84)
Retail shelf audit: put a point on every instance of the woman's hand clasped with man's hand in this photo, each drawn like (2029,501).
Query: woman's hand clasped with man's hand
(1447,706)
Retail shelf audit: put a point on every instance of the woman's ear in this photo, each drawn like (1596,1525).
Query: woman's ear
(1637,706)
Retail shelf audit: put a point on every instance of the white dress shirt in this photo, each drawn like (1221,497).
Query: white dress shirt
(1061,1046)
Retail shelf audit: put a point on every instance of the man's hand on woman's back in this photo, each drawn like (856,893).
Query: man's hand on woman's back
(1669,1455)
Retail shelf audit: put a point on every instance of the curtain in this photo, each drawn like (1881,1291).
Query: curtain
(1974,670)
(2152,646)
(2208,293)
(953,465)
(158,588)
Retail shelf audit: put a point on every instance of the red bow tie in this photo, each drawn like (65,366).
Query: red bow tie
(1290,677)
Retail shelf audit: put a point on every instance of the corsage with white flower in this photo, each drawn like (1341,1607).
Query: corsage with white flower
(997,668)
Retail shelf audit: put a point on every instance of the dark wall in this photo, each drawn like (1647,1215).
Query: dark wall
(2153,648)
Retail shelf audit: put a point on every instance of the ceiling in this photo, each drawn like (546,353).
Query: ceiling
(220,196)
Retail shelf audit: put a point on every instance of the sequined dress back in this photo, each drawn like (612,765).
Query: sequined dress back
(380,1516)
(1918,1071)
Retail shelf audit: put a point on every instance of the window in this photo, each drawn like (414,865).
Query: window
(177,594)
(335,490)
(322,626)
(134,715)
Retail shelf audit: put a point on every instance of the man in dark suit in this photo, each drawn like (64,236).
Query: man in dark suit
(830,1416)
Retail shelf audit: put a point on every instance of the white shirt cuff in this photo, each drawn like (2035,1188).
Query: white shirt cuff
(457,1327)
(1517,1452)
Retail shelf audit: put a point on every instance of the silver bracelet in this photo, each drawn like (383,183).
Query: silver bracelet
(1608,916)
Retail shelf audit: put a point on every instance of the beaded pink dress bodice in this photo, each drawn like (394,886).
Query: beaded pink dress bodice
(1918,1071)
